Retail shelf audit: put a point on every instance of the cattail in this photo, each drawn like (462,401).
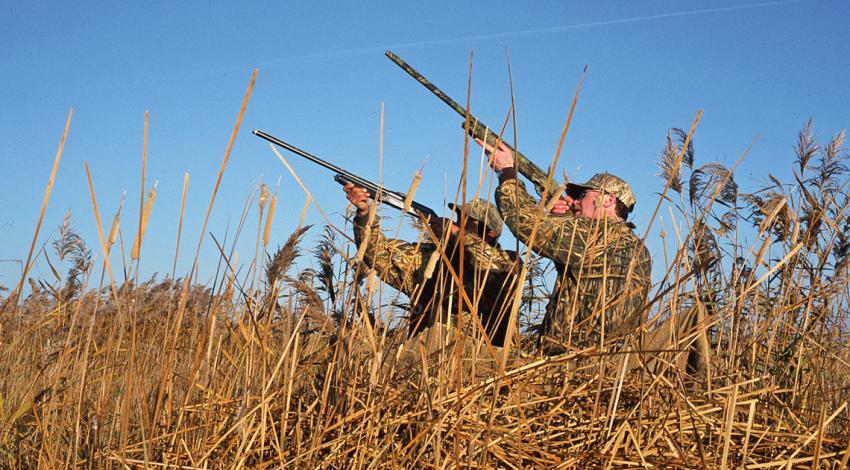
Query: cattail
(411,193)
(264,196)
(269,219)
(137,245)
(113,232)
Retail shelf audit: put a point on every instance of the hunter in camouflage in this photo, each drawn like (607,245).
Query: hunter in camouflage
(418,269)
(603,268)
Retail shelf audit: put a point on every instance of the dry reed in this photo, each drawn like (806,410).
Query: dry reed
(296,376)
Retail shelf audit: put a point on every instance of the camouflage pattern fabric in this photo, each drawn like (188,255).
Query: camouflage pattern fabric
(611,184)
(419,271)
(483,210)
(603,270)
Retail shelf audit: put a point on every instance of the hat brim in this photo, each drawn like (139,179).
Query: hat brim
(581,186)
(458,210)
(573,188)
(585,187)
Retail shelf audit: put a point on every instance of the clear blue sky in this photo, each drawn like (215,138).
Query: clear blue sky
(756,68)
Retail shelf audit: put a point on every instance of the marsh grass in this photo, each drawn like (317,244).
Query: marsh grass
(281,365)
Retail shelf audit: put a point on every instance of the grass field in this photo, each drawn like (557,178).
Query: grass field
(278,366)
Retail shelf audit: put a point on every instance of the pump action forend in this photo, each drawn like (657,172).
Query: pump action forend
(391,198)
(477,129)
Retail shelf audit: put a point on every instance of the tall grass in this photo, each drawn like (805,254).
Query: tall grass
(280,365)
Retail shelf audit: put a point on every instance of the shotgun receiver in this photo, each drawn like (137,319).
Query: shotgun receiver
(477,129)
(391,198)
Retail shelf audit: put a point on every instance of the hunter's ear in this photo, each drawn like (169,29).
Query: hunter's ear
(608,200)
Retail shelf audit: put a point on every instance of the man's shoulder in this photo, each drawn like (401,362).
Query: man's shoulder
(626,238)
(508,186)
(637,247)
(626,229)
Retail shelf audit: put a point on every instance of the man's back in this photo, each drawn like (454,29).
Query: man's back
(419,270)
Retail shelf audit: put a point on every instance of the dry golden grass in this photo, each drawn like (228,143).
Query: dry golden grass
(288,371)
(296,389)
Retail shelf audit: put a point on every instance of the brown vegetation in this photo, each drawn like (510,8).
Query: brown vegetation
(304,368)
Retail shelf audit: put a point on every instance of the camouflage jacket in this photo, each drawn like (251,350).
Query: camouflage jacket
(604,269)
(418,270)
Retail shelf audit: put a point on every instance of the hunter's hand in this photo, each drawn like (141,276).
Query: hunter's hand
(561,206)
(565,204)
(358,196)
(501,158)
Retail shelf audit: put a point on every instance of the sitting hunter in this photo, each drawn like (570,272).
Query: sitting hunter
(419,269)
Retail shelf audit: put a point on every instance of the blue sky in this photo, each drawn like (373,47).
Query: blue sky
(758,69)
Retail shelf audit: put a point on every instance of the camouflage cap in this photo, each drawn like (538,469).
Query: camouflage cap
(484,211)
(611,184)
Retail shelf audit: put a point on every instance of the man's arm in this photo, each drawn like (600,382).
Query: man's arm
(558,238)
(398,263)
(561,239)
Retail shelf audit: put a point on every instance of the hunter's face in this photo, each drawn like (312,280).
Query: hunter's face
(590,203)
